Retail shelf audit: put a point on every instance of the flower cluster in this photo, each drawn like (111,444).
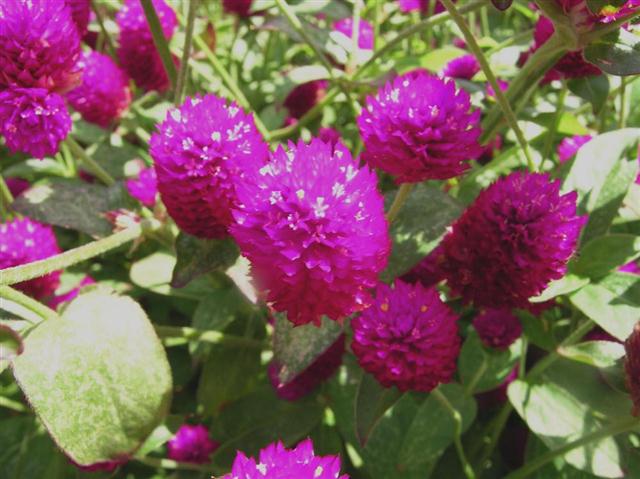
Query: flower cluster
(497,328)
(144,187)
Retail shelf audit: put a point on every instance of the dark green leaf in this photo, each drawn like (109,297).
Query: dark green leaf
(10,343)
(98,378)
(594,89)
(538,330)
(115,156)
(617,53)
(604,254)
(219,308)
(601,354)
(198,256)
(565,285)
(372,401)
(596,6)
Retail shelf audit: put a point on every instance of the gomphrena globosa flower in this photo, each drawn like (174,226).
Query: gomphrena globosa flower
(420,127)
(238,7)
(497,328)
(200,152)
(423,6)
(39,45)
(312,224)
(569,146)
(304,97)
(33,120)
(512,241)
(191,443)
(80,13)
(144,187)
(276,462)
(137,53)
(632,367)
(104,92)
(408,338)
(463,68)
(365,31)
(22,241)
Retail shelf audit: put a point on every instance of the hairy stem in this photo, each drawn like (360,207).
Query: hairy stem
(401,197)
(22,299)
(6,198)
(176,335)
(93,167)
(160,41)
(186,51)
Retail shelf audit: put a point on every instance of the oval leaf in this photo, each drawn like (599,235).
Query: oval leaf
(371,402)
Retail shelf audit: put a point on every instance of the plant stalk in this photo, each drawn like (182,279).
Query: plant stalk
(160,41)
(22,299)
(186,51)
(401,197)
(94,168)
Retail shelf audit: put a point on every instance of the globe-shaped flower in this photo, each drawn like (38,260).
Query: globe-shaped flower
(238,7)
(419,127)
(568,147)
(144,187)
(304,97)
(512,241)
(200,152)
(191,444)
(329,135)
(33,121)
(80,13)
(312,224)
(316,373)
(104,92)
(632,367)
(39,45)
(365,31)
(497,328)
(463,68)
(17,186)
(407,6)
(427,271)
(276,462)
(408,338)
(22,241)
(137,53)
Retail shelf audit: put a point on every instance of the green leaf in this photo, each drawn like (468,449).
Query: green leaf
(78,206)
(617,53)
(604,254)
(601,174)
(197,257)
(98,378)
(482,369)
(613,303)
(596,6)
(538,330)
(371,402)
(436,59)
(565,285)
(601,354)
(114,155)
(10,343)
(594,89)
(418,227)
(558,469)
(219,309)
(295,348)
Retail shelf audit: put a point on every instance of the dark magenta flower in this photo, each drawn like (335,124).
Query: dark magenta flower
(80,13)
(104,92)
(462,68)
(316,373)
(22,241)
(17,186)
(497,328)
(39,45)
(200,152)
(365,31)
(490,150)
(408,338)
(599,334)
(407,6)
(137,53)
(312,224)
(420,127)
(524,233)
(632,367)
(304,97)
(238,7)
(33,120)
(191,444)
(568,147)
(72,294)
(611,13)
(144,187)
(426,272)
(329,135)
(277,462)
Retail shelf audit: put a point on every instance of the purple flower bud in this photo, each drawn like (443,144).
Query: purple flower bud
(191,444)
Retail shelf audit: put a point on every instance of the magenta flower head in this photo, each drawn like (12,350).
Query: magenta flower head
(462,68)
(304,383)
(200,152)
(568,147)
(39,45)
(427,272)
(304,97)
(329,135)
(191,444)
(137,52)
(365,31)
(33,121)
(277,462)
(407,6)
(418,128)
(312,224)
(237,7)
(22,241)
(512,241)
(408,338)
(632,367)
(497,328)
(144,187)
(104,92)
(17,186)
(80,13)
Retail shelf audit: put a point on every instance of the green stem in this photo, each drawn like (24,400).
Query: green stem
(6,198)
(457,419)
(176,335)
(31,304)
(230,84)
(623,104)
(486,68)
(13,405)
(94,168)
(160,40)
(551,134)
(109,41)
(522,364)
(186,51)
(613,429)
(495,427)
(162,463)
(401,196)
(29,271)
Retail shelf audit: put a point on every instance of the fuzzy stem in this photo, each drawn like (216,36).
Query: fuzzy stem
(94,168)
(6,198)
(159,40)
(401,196)
(22,299)
(184,335)
(551,134)
(109,41)
(186,51)
(29,271)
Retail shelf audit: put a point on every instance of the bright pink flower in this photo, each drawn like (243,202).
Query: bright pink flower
(462,68)
(365,31)
(144,187)
(497,328)
(631,267)
(304,97)
(329,135)
(80,12)
(72,294)
(408,338)
(200,151)
(312,224)
(568,147)
(191,444)
(407,6)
